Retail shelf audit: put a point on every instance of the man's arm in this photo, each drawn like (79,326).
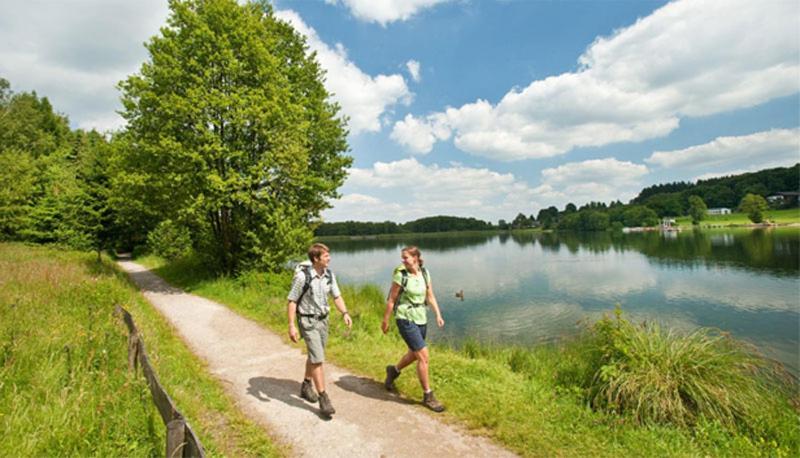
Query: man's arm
(291,312)
(340,305)
(338,300)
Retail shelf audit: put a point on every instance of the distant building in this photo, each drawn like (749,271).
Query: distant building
(719,211)
(784,199)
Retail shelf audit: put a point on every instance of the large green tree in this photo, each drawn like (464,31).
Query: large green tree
(697,209)
(50,187)
(754,206)
(230,132)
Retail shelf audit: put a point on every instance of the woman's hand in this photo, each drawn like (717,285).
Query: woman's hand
(385,325)
(440,321)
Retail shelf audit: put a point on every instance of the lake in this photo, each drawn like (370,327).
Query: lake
(529,288)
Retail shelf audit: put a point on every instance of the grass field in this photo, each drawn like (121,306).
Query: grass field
(530,400)
(65,389)
(781,217)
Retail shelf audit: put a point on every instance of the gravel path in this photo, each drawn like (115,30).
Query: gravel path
(263,374)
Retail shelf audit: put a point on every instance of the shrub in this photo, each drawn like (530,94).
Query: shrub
(755,206)
(169,240)
(662,377)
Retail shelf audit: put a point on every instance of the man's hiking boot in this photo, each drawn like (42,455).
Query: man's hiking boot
(391,374)
(307,392)
(432,403)
(325,406)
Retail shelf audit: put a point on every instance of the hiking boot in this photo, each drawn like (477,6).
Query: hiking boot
(432,403)
(307,392)
(391,374)
(325,406)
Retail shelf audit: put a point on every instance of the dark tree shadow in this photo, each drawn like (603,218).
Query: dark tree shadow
(370,388)
(287,391)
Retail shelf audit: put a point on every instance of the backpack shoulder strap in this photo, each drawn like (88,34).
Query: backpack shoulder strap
(307,274)
(425,276)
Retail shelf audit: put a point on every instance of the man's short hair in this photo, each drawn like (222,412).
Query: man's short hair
(316,250)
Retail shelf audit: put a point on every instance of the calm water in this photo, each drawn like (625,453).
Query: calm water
(535,287)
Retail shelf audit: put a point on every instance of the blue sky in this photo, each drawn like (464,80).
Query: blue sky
(486,108)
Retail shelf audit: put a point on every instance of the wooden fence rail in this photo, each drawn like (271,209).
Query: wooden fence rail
(181,439)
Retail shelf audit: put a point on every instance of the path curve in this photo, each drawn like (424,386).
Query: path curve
(263,374)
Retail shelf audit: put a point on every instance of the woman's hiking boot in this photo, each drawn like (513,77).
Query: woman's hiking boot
(432,403)
(307,391)
(391,374)
(325,406)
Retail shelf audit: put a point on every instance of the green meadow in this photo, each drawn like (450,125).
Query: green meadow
(619,389)
(781,217)
(65,388)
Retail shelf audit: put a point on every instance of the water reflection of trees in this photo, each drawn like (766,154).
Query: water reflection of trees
(776,251)
(435,242)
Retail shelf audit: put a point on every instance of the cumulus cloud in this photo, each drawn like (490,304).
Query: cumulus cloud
(418,136)
(599,180)
(76,55)
(765,149)
(385,11)
(688,58)
(413,70)
(407,189)
(363,98)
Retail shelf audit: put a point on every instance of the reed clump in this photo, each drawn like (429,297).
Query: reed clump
(660,376)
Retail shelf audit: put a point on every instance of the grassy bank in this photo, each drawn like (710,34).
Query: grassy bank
(537,402)
(65,388)
(780,217)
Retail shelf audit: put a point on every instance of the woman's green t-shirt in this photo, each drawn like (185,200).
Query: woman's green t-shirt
(414,293)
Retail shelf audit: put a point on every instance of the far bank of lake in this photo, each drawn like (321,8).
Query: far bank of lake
(532,287)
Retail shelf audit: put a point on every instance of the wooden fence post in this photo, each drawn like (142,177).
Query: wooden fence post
(181,439)
(176,437)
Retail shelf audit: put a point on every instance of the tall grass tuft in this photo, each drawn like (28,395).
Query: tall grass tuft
(660,376)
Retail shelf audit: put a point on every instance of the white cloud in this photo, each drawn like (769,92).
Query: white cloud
(75,55)
(688,58)
(765,149)
(598,180)
(385,11)
(419,137)
(413,69)
(363,98)
(406,189)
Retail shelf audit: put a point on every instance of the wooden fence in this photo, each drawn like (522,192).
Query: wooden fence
(181,439)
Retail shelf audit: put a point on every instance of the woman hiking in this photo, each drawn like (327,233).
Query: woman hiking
(411,290)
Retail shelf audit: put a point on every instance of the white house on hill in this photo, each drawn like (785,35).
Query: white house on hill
(719,211)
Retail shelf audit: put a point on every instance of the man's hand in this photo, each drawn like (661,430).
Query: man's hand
(347,320)
(293,333)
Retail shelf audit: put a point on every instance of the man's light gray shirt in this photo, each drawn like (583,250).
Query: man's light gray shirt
(315,300)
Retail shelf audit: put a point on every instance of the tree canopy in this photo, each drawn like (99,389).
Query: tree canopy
(230,133)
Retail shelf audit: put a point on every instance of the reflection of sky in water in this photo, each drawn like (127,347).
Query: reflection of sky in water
(526,292)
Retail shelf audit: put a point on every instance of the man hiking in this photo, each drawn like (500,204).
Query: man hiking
(308,302)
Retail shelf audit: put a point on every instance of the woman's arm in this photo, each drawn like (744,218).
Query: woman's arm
(393,293)
(431,299)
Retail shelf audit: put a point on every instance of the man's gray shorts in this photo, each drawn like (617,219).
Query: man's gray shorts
(315,333)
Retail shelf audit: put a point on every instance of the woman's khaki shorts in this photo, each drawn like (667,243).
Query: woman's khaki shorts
(315,333)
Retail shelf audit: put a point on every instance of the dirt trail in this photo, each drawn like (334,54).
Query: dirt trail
(263,374)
